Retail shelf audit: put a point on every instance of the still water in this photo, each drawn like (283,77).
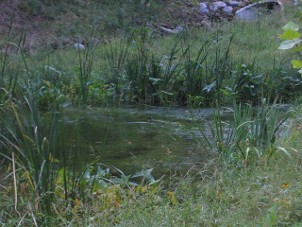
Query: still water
(168,140)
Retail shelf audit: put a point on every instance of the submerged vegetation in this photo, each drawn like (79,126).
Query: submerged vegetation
(252,175)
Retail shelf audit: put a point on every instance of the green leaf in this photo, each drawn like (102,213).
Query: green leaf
(296,64)
(290,35)
(291,26)
(288,44)
(143,173)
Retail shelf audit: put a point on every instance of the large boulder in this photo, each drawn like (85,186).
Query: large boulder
(251,12)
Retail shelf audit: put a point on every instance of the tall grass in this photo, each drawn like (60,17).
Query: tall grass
(249,135)
(36,151)
(221,67)
(115,59)
(32,144)
(136,74)
(86,59)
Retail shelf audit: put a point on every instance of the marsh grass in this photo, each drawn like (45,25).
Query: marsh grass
(135,73)
(249,135)
(84,72)
(35,153)
(116,55)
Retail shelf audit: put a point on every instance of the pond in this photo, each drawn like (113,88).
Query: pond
(132,139)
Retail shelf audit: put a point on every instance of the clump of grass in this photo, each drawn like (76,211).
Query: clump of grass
(84,72)
(35,153)
(115,58)
(136,74)
(249,135)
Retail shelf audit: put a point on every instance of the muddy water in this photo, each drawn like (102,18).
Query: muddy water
(167,140)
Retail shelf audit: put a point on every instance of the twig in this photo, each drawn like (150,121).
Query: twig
(32,215)
(34,219)
(20,222)
(15,182)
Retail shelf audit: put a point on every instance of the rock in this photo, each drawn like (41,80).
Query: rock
(176,30)
(179,29)
(79,46)
(228,10)
(217,5)
(204,9)
(247,13)
(252,11)
(234,3)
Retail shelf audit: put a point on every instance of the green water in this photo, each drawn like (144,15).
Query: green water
(135,139)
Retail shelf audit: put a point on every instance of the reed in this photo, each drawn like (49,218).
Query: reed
(86,59)
(249,135)
(36,146)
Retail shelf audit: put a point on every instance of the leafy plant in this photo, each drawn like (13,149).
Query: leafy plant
(98,176)
(248,85)
(99,179)
(292,41)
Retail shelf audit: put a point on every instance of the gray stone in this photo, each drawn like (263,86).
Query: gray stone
(217,5)
(247,14)
(252,11)
(234,3)
(79,46)
(204,8)
(228,10)
(179,29)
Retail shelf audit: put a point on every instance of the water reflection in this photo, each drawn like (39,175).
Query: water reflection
(133,139)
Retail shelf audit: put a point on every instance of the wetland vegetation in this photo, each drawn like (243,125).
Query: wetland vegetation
(141,128)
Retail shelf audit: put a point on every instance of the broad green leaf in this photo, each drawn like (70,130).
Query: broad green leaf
(296,64)
(291,26)
(288,44)
(290,35)
(143,173)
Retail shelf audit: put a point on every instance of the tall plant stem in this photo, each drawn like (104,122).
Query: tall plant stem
(15,182)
